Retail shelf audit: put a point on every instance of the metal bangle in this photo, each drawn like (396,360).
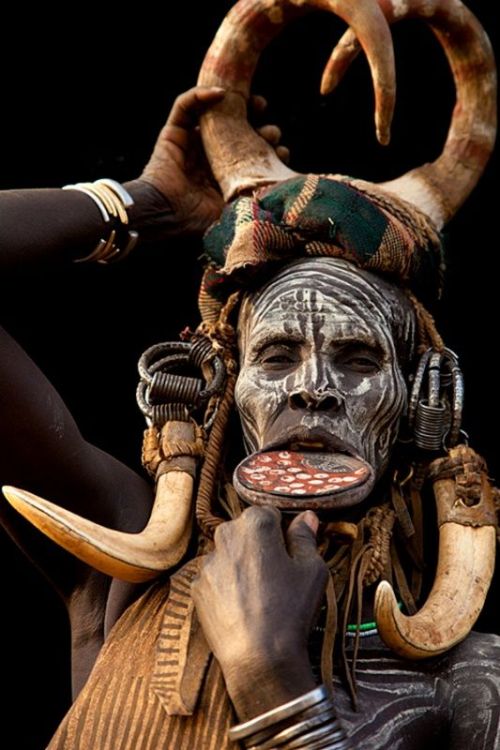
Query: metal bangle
(309,739)
(285,711)
(330,736)
(324,713)
(340,745)
(264,735)
(98,202)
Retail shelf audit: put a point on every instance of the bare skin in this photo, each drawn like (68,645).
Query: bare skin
(240,605)
(319,352)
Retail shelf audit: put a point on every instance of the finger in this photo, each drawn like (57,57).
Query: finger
(257,104)
(261,522)
(283,154)
(301,536)
(189,105)
(222,532)
(270,133)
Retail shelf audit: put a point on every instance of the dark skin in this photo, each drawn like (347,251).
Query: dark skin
(257,630)
(178,167)
(44,451)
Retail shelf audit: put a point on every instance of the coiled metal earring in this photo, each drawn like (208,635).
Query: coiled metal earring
(436,401)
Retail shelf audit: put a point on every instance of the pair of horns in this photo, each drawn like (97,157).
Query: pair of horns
(467,543)
(241,160)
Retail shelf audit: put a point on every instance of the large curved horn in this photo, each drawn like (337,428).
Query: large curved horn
(241,159)
(131,557)
(440,188)
(467,541)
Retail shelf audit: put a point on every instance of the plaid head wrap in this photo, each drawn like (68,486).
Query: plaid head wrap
(315,215)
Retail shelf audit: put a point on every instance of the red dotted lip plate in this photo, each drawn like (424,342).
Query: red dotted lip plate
(299,475)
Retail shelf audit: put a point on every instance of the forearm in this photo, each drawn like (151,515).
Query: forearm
(46,224)
(57,225)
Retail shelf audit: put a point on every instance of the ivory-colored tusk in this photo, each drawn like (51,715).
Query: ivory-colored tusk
(465,568)
(131,557)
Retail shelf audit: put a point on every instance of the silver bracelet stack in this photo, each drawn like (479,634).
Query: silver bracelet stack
(308,722)
(112,200)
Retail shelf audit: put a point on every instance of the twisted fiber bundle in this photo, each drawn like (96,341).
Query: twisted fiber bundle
(223,337)
(428,336)
(155,449)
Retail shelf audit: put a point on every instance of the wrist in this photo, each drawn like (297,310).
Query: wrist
(260,683)
(152,215)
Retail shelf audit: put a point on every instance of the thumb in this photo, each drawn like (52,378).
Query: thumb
(301,535)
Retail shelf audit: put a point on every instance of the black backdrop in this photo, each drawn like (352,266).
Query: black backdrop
(87,102)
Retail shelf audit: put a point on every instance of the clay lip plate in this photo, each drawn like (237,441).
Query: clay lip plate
(308,477)
(297,473)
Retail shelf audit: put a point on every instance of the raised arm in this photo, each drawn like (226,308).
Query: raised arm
(43,448)
(173,196)
(45,451)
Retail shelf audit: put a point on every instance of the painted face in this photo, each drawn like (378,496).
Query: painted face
(320,346)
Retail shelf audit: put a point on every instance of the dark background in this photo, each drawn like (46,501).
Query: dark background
(88,102)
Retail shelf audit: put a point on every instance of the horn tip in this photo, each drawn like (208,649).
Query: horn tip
(15,496)
(383,134)
(328,83)
(384,597)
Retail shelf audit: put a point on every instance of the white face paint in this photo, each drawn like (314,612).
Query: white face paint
(319,351)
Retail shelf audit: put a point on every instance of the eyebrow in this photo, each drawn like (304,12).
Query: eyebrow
(364,340)
(273,338)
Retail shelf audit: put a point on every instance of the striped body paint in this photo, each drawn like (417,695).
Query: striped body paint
(322,346)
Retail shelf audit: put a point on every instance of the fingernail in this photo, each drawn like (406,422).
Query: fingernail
(312,520)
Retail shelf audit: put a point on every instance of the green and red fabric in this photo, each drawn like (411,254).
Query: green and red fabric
(324,216)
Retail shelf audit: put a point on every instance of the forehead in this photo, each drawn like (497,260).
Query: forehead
(308,311)
(308,299)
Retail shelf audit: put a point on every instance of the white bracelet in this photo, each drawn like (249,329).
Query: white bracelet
(112,200)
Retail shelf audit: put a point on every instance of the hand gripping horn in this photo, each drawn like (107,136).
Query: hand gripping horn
(440,188)
(241,159)
(467,542)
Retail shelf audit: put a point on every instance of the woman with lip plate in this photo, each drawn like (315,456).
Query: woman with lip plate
(283,628)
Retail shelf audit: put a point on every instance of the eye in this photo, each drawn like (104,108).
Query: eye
(363,364)
(278,357)
(361,359)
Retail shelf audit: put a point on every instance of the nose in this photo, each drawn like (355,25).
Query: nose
(314,400)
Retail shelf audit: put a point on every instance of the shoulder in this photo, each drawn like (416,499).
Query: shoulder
(476,659)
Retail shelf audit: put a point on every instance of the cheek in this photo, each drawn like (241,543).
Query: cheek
(375,405)
(256,397)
